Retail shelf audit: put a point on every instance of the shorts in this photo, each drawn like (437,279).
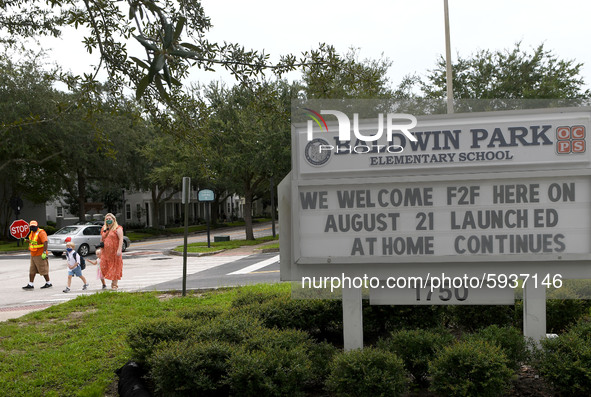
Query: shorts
(75,271)
(39,265)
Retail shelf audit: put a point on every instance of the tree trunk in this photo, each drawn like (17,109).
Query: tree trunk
(248,212)
(215,209)
(81,196)
(155,206)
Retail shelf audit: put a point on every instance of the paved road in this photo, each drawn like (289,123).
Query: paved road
(147,266)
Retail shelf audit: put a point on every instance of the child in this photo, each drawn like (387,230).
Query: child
(99,274)
(73,262)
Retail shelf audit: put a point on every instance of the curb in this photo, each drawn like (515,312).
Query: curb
(195,254)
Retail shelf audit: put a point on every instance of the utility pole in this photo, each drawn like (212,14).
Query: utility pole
(449,73)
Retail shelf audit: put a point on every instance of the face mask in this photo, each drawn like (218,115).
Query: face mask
(69,249)
(109,221)
(34,228)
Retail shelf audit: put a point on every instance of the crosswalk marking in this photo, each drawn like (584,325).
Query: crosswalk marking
(137,276)
(256,266)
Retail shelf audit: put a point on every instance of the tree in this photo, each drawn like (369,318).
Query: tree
(171,32)
(508,74)
(28,157)
(332,76)
(165,160)
(249,137)
(98,150)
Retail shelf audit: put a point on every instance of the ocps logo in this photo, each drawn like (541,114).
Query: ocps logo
(570,139)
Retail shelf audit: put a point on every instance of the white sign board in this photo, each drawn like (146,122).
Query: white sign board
(484,142)
(493,196)
(388,222)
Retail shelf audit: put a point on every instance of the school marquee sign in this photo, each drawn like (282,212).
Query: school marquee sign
(483,197)
(500,185)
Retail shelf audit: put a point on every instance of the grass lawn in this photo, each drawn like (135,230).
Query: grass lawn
(216,246)
(72,349)
(11,246)
(141,234)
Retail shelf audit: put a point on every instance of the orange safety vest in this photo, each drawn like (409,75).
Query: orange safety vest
(34,245)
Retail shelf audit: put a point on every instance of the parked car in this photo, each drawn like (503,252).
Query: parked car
(85,237)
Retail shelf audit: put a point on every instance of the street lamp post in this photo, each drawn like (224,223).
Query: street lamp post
(449,81)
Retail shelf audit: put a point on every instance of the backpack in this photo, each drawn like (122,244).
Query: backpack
(82,260)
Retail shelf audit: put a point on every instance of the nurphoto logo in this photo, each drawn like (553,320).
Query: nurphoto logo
(318,150)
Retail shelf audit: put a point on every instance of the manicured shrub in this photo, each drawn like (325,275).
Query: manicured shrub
(562,313)
(187,368)
(470,368)
(380,320)
(201,313)
(261,338)
(247,297)
(322,319)
(321,355)
(471,318)
(582,329)
(269,372)
(144,338)
(367,372)
(416,348)
(509,339)
(232,327)
(565,362)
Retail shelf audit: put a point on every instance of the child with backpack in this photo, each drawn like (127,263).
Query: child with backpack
(74,261)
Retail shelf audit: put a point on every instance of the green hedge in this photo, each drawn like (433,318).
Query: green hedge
(369,372)
(470,368)
(509,339)
(269,372)
(565,361)
(266,343)
(416,348)
(189,368)
(144,338)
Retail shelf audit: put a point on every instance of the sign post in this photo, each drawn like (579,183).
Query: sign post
(186,197)
(207,195)
(16,203)
(458,209)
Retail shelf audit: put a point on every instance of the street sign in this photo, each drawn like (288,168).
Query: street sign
(19,229)
(186,194)
(206,195)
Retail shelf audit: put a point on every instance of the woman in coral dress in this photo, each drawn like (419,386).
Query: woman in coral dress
(112,254)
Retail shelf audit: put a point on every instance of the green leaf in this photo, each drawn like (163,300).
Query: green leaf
(152,7)
(179,27)
(161,89)
(157,63)
(146,43)
(140,63)
(142,85)
(168,36)
(184,54)
(166,75)
(191,46)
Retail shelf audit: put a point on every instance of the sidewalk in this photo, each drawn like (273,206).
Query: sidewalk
(7,313)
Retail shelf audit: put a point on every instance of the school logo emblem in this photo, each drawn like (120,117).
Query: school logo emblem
(570,139)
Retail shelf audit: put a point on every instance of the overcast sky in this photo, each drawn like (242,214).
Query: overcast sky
(409,33)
